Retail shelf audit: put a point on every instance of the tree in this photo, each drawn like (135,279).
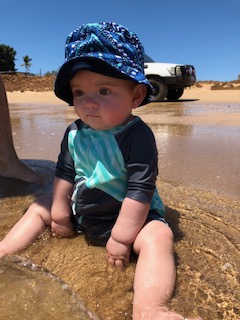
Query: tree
(7,58)
(51,73)
(26,64)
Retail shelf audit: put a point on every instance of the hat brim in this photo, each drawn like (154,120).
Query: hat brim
(71,67)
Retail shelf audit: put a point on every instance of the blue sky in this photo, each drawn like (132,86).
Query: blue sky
(203,33)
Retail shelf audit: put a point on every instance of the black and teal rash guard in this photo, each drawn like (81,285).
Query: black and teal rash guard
(107,166)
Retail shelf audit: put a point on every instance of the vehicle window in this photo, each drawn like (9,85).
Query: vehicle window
(147,58)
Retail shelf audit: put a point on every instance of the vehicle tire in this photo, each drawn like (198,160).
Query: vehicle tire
(175,94)
(160,89)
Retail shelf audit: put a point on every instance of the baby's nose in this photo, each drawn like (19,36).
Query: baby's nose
(91,101)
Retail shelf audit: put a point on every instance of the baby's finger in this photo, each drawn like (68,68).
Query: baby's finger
(110,261)
(115,262)
(119,263)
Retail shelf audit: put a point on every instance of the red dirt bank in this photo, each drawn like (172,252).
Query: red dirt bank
(20,82)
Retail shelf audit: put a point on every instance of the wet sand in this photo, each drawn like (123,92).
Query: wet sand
(199,166)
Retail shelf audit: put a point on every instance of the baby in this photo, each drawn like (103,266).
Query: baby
(105,181)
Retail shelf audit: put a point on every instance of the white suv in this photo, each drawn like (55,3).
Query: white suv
(168,79)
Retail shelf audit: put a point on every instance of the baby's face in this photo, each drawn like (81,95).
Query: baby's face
(104,102)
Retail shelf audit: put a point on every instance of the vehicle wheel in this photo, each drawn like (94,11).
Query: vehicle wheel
(160,89)
(175,94)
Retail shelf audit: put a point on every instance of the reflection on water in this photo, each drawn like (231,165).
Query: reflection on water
(198,144)
(38,130)
(186,108)
(216,108)
(206,224)
(206,157)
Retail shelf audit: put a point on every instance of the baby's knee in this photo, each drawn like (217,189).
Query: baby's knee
(167,233)
(154,234)
(158,228)
(162,233)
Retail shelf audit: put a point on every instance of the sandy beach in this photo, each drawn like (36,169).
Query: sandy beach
(199,165)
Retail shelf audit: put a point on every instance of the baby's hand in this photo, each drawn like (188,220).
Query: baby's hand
(118,254)
(62,231)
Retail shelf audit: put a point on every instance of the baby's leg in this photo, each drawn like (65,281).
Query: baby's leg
(28,228)
(155,273)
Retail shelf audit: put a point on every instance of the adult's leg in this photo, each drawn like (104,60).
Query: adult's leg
(155,273)
(29,227)
(10,165)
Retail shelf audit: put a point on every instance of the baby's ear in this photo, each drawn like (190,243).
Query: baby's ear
(139,93)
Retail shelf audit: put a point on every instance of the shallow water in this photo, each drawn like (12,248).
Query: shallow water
(199,144)
(199,184)
(36,294)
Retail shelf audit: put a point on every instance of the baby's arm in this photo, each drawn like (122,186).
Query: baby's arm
(61,208)
(131,219)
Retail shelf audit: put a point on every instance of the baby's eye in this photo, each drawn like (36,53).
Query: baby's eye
(104,91)
(77,93)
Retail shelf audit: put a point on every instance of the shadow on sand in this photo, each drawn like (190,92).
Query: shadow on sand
(13,187)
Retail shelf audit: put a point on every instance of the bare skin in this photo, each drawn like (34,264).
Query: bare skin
(10,164)
(153,241)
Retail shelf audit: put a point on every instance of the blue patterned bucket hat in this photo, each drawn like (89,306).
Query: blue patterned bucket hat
(106,48)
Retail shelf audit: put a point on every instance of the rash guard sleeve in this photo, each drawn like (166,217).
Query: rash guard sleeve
(65,165)
(139,150)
